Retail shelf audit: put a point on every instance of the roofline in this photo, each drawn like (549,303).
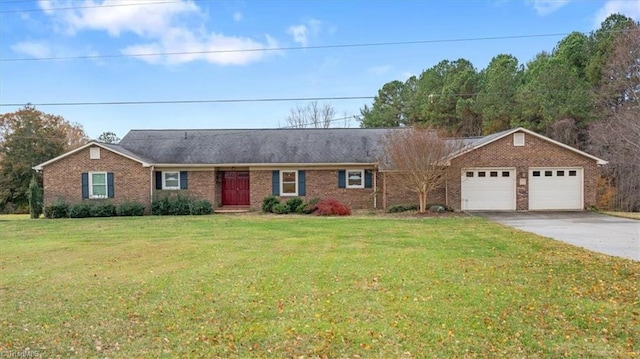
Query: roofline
(270,165)
(88,144)
(599,161)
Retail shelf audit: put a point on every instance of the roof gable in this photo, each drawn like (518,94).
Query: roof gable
(483,141)
(109,147)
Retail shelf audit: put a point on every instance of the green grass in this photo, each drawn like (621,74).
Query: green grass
(631,215)
(285,287)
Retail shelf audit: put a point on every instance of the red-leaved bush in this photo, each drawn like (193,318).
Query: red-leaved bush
(331,207)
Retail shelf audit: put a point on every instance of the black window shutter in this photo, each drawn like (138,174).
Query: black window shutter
(110,189)
(275,183)
(184,182)
(342,181)
(302,184)
(85,185)
(158,179)
(368,179)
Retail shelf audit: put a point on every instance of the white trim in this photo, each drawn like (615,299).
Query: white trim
(106,185)
(346,178)
(282,184)
(599,161)
(164,180)
(90,143)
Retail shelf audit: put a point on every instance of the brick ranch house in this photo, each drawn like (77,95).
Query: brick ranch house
(515,169)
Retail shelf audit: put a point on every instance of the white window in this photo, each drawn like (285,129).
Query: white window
(288,183)
(98,185)
(518,139)
(170,180)
(94,153)
(355,178)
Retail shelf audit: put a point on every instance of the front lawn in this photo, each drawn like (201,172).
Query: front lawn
(310,287)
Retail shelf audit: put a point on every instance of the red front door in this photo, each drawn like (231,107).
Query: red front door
(235,188)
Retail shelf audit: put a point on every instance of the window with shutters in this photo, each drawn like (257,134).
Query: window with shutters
(288,183)
(355,178)
(97,185)
(170,180)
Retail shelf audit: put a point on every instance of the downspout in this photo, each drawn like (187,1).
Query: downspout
(152,168)
(446,191)
(384,190)
(375,189)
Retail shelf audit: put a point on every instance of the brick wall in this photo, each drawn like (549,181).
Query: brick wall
(397,193)
(62,179)
(319,183)
(535,153)
(201,185)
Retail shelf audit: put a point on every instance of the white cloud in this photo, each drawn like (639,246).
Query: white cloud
(630,8)
(301,32)
(546,7)
(237,16)
(202,47)
(37,49)
(160,28)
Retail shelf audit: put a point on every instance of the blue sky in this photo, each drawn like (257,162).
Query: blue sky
(125,27)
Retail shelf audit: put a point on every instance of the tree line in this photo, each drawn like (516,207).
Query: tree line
(584,93)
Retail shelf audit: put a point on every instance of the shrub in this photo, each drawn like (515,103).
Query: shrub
(179,206)
(331,207)
(310,206)
(131,209)
(268,203)
(58,209)
(293,204)
(103,209)
(201,207)
(403,208)
(160,207)
(80,210)
(280,208)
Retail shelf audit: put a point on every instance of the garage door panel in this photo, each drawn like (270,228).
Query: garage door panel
(488,189)
(555,188)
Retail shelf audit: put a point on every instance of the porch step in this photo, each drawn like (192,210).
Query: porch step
(232,209)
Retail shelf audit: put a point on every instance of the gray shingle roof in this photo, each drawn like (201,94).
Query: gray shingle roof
(244,146)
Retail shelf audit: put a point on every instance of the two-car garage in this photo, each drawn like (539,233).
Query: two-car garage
(548,189)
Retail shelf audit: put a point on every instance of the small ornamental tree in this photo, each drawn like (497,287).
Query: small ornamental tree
(35,198)
(418,157)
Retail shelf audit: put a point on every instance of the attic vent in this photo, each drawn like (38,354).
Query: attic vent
(94,153)
(518,139)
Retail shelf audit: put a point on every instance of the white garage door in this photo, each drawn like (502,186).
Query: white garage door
(488,189)
(555,188)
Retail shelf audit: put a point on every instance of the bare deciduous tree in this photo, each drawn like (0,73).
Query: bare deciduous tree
(617,136)
(312,115)
(418,156)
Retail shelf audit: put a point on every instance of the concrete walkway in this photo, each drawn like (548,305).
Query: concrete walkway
(597,232)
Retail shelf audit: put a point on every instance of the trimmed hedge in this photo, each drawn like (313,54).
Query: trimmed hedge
(80,210)
(268,203)
(201,207)
(180,205)
(127,209)
(58,209)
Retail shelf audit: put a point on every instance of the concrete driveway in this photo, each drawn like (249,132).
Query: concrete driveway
(597,232)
